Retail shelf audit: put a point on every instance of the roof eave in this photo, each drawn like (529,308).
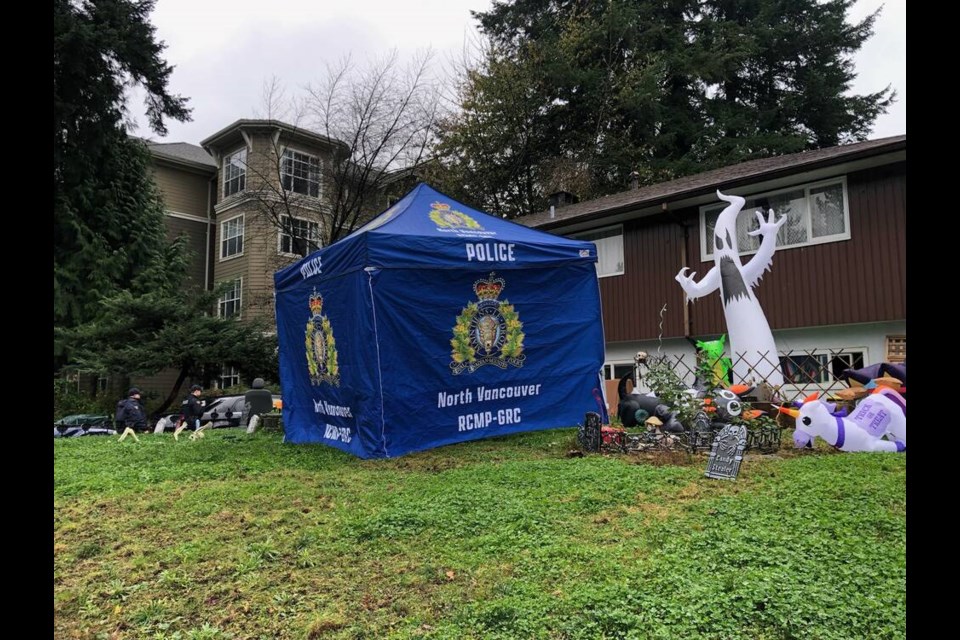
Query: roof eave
(183,162)
(723,184)
(233,130)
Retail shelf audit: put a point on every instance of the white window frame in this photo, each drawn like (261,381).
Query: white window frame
(619,229)
(828,354)
(281,234)
(609,368)
(228,373)
(224,238)
(284,174)
(224,300)
(706,243)
(240,178)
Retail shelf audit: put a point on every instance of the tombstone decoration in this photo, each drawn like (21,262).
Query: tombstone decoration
(700,434)
(702,423)
(588,435)
(765,439)
(727,452)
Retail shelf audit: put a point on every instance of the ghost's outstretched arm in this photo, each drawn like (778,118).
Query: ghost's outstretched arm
(763,258)
(707,284)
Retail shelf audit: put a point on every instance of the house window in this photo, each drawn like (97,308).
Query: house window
(231,237)
(235,173)
(609,242)
(298,236)
(229,377)
(613,371)
(801,369)
(301,173)
(804,369)
(896,349)
(230,302)
(816,213)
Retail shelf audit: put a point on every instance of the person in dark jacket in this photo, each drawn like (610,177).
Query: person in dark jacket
(130,412)
(192,410)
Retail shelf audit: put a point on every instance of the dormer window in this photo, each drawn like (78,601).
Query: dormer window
(235,172)
(301,173)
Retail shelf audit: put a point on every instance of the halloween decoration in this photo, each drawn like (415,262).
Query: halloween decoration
(878,423)
(751,341)
(711,354)
(632,404)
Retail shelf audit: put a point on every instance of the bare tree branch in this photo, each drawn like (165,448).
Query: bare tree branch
(369,127)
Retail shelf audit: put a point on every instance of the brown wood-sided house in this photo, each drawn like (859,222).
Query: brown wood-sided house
(835,296)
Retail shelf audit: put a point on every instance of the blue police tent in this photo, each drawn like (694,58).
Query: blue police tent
(436,323)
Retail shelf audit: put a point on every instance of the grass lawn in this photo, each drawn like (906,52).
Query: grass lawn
(237,536)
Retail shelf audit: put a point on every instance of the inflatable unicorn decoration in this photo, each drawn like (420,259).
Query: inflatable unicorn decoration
(751,341)
(883,413)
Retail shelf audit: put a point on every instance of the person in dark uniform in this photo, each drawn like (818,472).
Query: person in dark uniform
(130,412)
(192,411)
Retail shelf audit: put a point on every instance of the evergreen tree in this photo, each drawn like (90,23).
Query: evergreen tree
(575,95)
(779,73)
(109,232)
(493,154)
(145,334)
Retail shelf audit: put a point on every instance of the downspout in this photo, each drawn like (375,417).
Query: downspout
(211,185)
(211,214)
(687,320)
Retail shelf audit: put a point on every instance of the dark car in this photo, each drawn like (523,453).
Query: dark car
(83,424)
(225,411)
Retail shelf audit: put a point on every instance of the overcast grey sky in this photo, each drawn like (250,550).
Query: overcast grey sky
(223,50)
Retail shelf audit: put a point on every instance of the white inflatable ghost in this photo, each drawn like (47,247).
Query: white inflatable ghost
(753,351)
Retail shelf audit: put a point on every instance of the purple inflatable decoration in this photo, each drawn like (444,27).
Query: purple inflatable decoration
(867,374)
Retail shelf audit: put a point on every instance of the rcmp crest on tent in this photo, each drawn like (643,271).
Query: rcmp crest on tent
(321,346)
(447,218)
(488,331)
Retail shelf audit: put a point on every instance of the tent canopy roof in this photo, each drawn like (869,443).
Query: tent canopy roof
(428,229)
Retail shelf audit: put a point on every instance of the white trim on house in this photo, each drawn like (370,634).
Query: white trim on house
(243,226)
(706,245)
(188,216)
(592,232)
(233,201)
(246,139)
(266,194)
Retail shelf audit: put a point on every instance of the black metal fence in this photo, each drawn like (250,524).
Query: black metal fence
(592,436)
